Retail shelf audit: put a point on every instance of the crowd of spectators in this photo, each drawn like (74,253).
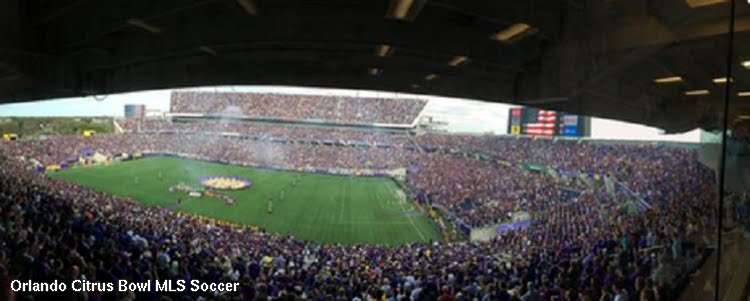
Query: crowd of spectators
(479,191)
(582,248)
(318,108)
(645,168)
(371,136)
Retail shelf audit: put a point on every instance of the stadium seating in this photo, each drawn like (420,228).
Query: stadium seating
(583,247)
(266,130)
(329,109)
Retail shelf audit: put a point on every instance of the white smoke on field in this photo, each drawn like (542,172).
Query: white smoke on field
(261,152)
(200,145)
(267,154)
(232,110)
(228,117)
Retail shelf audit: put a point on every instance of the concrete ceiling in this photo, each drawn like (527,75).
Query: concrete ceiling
(594,57)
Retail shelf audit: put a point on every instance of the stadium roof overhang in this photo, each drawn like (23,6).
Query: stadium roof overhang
(584,56)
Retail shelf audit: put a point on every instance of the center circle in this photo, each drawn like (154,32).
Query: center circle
(225,183)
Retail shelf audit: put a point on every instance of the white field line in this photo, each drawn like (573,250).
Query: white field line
(411,220)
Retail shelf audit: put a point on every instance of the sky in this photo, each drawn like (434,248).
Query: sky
(462,115)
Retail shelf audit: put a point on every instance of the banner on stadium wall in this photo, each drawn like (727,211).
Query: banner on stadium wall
(609,185)
(536,167)
(122,157)
(514,226)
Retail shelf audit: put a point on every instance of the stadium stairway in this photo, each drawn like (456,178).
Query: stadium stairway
(416,145)
(735,272)
(117,127)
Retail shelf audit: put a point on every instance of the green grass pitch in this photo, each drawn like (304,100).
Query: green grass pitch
(322,208)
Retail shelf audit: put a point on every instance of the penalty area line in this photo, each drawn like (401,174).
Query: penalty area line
(411,220)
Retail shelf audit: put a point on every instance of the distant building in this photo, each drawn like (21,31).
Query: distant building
(135,111)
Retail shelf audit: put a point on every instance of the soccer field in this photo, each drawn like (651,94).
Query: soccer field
(323,208)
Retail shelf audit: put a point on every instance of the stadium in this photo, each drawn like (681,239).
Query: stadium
(376,160)
(365,194)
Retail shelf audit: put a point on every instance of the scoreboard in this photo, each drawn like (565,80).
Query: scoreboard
(537,122)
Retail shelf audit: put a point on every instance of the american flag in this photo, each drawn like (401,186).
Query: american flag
(544,125)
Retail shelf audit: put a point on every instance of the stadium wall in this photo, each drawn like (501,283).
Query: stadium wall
(393,126)
(390,173)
